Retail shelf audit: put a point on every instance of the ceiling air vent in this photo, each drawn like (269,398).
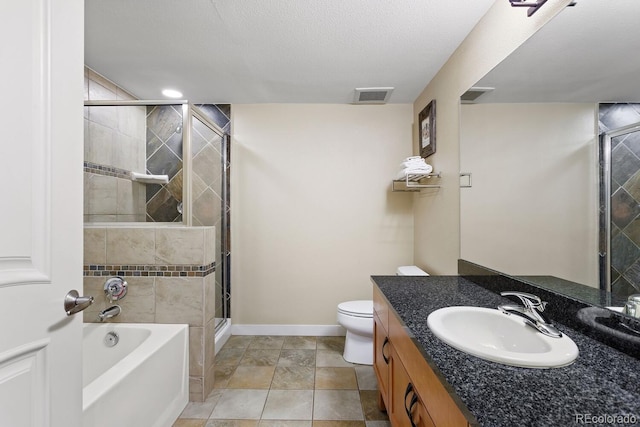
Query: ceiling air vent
(474,93)
(372,95)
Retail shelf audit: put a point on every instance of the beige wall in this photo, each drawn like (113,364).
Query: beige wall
(312,212)
(533,207)
(501,30)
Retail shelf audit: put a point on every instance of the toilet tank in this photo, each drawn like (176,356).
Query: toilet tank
(410,270)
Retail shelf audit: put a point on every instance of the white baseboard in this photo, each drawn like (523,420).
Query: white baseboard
(289,330)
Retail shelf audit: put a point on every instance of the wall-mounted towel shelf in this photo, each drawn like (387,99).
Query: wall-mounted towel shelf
(149,179)
(413,182)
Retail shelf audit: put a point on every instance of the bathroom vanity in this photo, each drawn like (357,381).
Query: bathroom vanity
(425,382)
(409,389)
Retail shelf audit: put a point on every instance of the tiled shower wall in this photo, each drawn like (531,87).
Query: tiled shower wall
(170,272)
(164,157)
(625,198)
(114,146)
(119,140)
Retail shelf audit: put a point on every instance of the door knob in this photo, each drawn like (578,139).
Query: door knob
(74,303)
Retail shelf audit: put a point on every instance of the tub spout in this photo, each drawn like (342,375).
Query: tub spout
(108,313)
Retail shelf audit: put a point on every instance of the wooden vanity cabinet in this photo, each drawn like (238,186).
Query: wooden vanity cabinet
(409,389)
(407,409)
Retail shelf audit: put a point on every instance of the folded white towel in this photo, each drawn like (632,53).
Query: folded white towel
(413,163)
(423,170)
(411,158)
(416,161)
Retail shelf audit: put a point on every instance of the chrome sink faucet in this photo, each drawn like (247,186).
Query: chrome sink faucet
(108,313)
(531,311)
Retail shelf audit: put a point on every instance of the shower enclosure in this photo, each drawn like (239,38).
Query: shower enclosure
(162,162)
(619,202)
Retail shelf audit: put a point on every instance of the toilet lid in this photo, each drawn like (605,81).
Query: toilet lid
(361,308)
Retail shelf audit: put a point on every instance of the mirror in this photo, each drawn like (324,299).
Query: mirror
(530,141)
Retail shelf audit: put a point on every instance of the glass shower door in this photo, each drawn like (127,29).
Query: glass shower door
(210,199)
(620,211)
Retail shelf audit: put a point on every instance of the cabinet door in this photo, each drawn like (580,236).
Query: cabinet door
(381,355)
(407,410)
(439,403)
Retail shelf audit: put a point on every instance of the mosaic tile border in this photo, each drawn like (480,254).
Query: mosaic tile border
(99,169)
(150,270)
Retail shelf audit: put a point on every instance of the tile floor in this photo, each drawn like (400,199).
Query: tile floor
(273,381)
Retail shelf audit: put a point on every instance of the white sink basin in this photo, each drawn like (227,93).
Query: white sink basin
(493,335)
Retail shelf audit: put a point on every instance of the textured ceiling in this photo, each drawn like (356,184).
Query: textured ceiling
(588,53)
(281,51)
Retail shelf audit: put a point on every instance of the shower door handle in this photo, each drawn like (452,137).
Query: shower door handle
(74,303)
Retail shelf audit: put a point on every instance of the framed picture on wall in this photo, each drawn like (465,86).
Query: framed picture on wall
(427,130)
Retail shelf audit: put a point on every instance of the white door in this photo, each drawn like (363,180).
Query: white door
(41,75)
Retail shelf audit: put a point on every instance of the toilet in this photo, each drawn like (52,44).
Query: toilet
(357,318)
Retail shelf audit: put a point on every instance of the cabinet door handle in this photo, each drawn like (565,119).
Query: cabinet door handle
(406,393)
(414,400)
(384,344)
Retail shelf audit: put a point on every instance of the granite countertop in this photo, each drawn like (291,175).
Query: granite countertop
(602,382)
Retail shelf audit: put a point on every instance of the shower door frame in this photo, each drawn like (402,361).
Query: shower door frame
(225,230)
(604,202)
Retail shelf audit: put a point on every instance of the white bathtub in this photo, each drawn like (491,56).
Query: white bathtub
(141,381)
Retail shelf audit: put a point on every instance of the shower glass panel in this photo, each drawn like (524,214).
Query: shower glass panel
(165,157)
(122,138)
(620,206)
(209,186)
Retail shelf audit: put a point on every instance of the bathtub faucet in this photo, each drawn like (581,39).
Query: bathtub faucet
(108,313)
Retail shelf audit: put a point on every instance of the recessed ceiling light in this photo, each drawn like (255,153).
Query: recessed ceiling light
(172,93)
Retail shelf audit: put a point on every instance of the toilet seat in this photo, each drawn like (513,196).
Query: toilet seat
(361,308)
